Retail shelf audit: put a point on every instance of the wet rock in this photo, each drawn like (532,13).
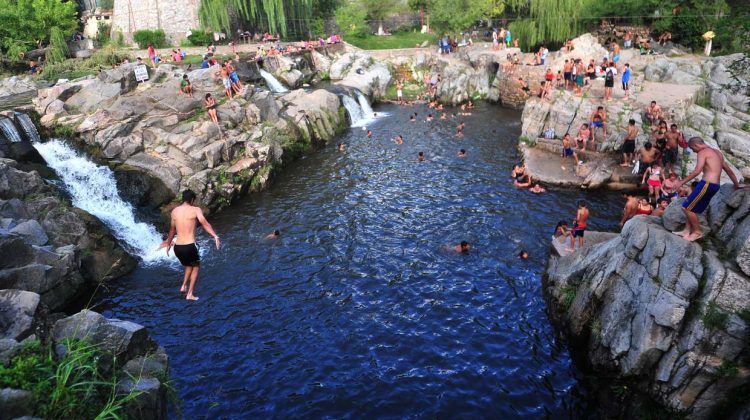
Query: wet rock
(31,231)
(15,183)
(9,348)
(123,339)
(150,402)
(15,403)
(17,311)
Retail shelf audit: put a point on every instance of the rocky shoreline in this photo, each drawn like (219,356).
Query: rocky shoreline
(159,141)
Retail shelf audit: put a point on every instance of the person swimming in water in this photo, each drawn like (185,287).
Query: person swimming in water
(369,134)
(460,129)
(420,156)
(413,118)
(342,147)
(429,118)
(462,153)
(537,189)
(463,247)
(273,235)
(398,139)
(524,255)
(184,219)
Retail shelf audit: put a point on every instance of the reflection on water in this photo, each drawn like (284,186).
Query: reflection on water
(359,309)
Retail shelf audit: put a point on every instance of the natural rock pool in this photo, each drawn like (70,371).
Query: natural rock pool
(358,309)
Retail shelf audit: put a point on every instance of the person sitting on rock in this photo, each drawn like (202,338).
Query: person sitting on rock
(211,108)
(664,38)
(185,86)
(544,90)
(524,86)
(583,136)
(598,120)
(661,207)
(561,230)
(644,207)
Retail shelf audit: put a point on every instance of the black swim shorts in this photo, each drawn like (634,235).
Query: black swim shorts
(628,146)
(188,255)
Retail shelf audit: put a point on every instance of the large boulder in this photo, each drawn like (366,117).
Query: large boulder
(93,96)
(18,309)
(123,339)
(16,403)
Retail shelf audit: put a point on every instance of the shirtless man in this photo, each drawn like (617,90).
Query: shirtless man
(184,218)
(671,150)
(653,113)
(579,227)
(273,235)
(631,205)
(460,129)
(647,155)
(661,207)
(463,247)
(628,147)
(710,162)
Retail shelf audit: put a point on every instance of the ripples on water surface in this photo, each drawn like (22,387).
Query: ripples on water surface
(358,310)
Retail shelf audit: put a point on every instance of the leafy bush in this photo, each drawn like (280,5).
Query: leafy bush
(200,38)
(58,48)
(102,34)
(74,68)
(713,317)
(69,387)
(156,37)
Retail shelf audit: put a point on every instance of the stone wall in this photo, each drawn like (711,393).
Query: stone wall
(175,17)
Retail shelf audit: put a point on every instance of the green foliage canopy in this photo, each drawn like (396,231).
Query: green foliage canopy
(275,16)
(27,24)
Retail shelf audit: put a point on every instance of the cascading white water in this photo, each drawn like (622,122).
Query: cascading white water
(28,127)
(353,108)
(366,108)
(93,188)
(9,130)
(272,83)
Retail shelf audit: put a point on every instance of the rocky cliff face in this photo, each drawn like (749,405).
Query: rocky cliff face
(670,315)
(47,246)
(152,129)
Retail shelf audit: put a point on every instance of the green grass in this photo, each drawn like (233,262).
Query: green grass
(69,387)
(713,317)
(397,40)
(568,294)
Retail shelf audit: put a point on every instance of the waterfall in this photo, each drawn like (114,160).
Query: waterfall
(366,108)
(272,83)
(28,127)
(9,130)
(93,188)
(353,108)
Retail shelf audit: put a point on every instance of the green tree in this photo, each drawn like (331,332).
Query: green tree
(546,20)
(350,18)
(27,24)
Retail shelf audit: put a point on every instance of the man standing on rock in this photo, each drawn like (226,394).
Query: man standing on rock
(711,162)
(184,218)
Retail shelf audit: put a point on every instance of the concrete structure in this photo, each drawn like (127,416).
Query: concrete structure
(175,17)
(91,21)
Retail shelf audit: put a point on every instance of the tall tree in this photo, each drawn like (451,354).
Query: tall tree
(27,24)
(546,20)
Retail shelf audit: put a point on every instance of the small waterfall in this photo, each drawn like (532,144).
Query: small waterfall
(28,127)
(272,83)
(366,108)
(93,188)
(9,130)
(354,110)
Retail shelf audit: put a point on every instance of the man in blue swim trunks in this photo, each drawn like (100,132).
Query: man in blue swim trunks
(711,162)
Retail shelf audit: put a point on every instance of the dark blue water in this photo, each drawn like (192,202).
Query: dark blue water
(359,309)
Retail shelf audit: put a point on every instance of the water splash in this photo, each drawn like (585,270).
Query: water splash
(93,188)
(272,83)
